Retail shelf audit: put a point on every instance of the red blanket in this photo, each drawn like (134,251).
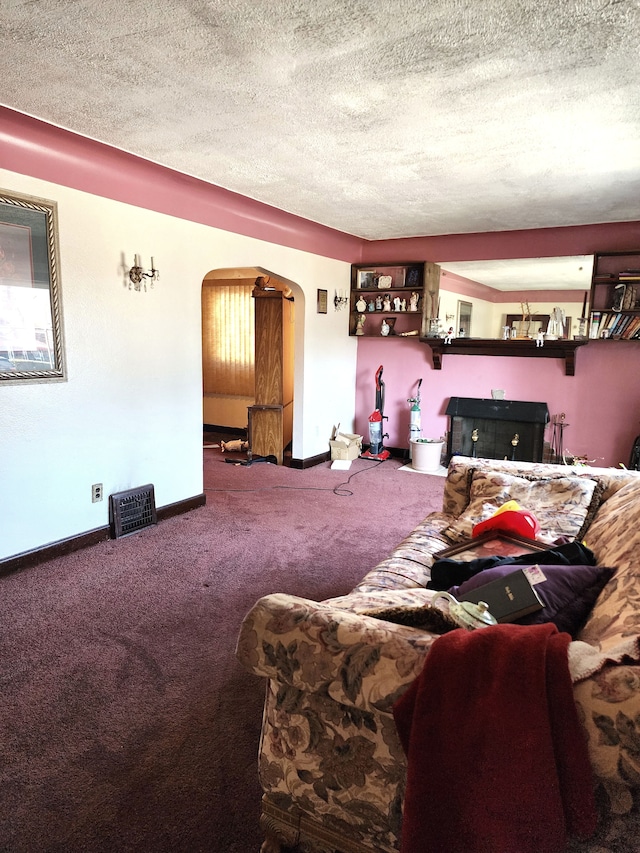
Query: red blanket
(497,759)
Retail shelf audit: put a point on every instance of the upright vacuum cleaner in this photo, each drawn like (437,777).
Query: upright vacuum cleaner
(376,448)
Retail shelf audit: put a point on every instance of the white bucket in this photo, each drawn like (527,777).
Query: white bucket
(425,454)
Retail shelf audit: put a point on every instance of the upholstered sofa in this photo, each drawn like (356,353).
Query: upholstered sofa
(331,765)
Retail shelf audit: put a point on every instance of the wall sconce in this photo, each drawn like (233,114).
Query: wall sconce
(137,274)
(340,299)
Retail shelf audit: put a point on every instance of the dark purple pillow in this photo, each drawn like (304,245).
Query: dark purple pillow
(568,593)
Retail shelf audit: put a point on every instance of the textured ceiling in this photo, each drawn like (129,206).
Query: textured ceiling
(567,273)
(381,118)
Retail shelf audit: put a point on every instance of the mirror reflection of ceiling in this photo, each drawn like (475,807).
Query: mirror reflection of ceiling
(568,273)
(380,119)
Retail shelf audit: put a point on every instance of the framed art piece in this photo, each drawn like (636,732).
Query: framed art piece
(31,340)
(465,309)
(492,544)
(322,301)
(366,279)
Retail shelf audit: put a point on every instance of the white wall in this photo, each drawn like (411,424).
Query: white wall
(130,412)
(482,313)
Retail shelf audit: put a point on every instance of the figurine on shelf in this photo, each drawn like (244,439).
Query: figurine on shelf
(540,339)
(361,304)
(413,301)
(396,303)
(385,329)
(434,327)
(386,303)
(372,306)
(378,303)
(448,338)
(555,329)
(403,305)
(360,325)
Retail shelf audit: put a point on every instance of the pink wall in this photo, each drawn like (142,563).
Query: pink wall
(601,401)
(33,147)
(542,242)
(465,287)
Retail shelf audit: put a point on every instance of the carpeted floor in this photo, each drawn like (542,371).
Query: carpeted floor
(126,723)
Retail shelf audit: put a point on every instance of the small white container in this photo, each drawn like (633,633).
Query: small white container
(426,453)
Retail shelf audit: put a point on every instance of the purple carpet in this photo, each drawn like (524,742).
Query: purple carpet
(126,723)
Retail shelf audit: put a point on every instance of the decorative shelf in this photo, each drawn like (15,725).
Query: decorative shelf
(565,349)
(382,291)
(393,281)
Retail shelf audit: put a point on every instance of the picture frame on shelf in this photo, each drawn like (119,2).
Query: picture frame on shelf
(413,277)
(366,279)
(492,544)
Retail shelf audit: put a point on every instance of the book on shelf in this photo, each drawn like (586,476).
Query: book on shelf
(623,324)
(508,598)
(618,320)
(617,324)
(594,328)
(632,328)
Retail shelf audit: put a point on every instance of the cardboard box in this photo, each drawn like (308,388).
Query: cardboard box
(345,445)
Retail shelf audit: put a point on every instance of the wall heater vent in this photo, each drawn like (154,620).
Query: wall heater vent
(132,510)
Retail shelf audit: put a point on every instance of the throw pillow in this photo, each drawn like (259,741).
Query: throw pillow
(564,506)
(568,593)
(614,537)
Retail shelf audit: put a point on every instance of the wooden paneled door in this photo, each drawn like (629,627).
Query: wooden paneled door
(271,416)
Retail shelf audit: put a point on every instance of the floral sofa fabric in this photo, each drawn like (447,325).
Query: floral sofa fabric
(331,765)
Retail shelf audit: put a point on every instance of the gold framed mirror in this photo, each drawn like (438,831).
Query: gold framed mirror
(31,338)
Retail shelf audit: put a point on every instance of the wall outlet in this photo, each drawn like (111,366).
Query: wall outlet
(96,492)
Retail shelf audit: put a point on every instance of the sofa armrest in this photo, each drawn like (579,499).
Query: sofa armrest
(356,660)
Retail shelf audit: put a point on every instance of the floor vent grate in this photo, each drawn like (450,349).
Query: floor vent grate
(132,510)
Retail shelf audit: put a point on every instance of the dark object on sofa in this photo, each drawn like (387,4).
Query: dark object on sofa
(446,572)
(426,618)
(568,593)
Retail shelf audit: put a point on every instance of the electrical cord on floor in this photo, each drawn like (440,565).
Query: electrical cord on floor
(340,490)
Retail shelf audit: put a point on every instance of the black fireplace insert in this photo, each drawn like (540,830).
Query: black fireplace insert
(496,429)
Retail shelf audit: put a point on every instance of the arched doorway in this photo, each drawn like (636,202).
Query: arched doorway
(248,332)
